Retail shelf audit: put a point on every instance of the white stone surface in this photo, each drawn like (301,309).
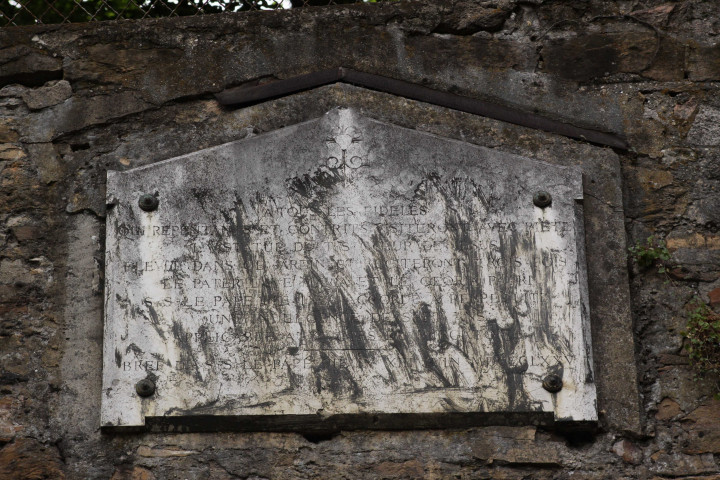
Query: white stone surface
(344,266)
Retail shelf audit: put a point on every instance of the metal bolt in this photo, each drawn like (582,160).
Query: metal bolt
(552,383)
(145,387)
(148,202)
(542,199)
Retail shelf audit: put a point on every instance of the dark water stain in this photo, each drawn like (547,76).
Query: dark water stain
(240,228)
(504,343)
(352,330)
(389,320)
(187,353)
(443,337)
(268,318)
(507,342)
(137,351)
(315,186)
(265,325)
(331,377)
(152,317)
(204,333)
(422,319)
(151,310)
(269,291)
(160,358)
(469,267)
(466,253)
(118,358)
(318,301)
(205,197)
(327,305)
(375,295)
(294,380)
(177,274)
(312,192)
(507,271)
(299,301)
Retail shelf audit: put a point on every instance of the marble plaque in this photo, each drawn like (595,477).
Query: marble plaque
(345,270)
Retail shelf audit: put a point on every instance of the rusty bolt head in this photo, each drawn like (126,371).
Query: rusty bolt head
(145,387)
(542,199)
(552,383)
(148,202)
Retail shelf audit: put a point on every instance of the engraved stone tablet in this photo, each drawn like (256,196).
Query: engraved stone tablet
(349,271)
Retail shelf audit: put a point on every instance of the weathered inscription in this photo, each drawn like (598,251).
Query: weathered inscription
(345,266)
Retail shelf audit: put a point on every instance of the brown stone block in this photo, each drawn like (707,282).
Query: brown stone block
(651,179)
(703,426)
(27,232)
(704,63)
(10,308)
(28,459)
(670,359)
(669,63)
(11,152)
(671,464)
(694,240)
(685,111)
(701,273)
(8,410)
(516,445)
(628,451)
(7,134)
(598,55)
(18,187)
(132,473)
(474,18)
(656,16)
(668,409)
(408,469)
(714,297)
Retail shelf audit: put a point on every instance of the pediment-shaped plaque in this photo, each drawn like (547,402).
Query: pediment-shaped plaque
(345,272)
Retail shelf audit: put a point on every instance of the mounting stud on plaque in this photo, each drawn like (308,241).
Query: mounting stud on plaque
(148,202)
(542,199)
(145,387)
(552,383)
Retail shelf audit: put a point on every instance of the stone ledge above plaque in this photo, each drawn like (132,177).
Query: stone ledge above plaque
(345,272)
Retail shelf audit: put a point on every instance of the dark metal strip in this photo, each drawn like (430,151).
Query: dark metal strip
(246,95)
(279,88)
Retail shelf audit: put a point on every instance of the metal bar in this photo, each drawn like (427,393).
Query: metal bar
(246,95)
(243,95)
(480,107)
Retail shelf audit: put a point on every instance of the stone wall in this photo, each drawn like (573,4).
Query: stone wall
(77,100)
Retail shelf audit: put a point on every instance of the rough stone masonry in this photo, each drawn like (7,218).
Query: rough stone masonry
(79,100)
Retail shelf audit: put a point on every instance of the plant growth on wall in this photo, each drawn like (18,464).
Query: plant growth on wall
(652,253)
(703,340)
